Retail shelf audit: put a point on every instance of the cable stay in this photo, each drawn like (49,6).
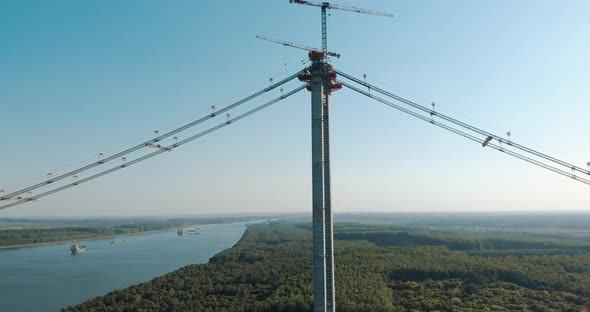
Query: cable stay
(467,126)
(486,142)
(158,152)
(150,143)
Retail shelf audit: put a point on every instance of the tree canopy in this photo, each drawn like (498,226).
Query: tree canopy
(270,269)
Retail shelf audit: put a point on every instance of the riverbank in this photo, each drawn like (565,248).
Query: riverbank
(48,232)
(88,238)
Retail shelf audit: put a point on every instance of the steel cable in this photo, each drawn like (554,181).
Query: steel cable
(144,144)
(470,136)
(465,125)
(160,151)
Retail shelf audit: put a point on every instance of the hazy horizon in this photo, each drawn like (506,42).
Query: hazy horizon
(306,214)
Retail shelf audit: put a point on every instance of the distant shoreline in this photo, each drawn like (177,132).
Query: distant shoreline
(86,239)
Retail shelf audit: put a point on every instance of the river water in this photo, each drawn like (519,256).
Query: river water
(47,278)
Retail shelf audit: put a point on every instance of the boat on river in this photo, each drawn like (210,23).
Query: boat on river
(77,248)
(194,231)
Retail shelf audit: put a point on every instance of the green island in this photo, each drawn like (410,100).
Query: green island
(34,233)
(379,267)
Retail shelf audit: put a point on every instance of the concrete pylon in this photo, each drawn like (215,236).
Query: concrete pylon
(323,254)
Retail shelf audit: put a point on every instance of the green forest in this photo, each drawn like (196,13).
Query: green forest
(378,268)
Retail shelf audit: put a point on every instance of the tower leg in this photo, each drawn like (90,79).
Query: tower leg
(318,213)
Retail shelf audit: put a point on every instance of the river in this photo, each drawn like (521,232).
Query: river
(48,278)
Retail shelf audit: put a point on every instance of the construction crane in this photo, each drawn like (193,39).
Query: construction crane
(297,46)
(327,5)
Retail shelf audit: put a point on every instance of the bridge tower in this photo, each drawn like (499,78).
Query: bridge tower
(321,84)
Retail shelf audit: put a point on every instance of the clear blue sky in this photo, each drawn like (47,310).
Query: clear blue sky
(79,78)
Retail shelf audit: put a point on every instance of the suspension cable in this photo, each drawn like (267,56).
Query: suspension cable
(470,136)
(144,144)
(160,151)
(465,125)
